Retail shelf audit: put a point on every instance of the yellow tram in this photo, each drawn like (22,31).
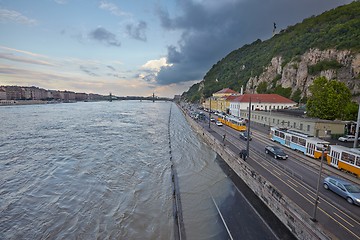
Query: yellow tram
(344,158)
(233,122)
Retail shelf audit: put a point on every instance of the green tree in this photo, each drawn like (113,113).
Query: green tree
(262,87)
(296,97)
(285,92)
(329,100)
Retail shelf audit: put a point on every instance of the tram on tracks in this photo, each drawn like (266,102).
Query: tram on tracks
(307,144)
(344,158)
(233,122)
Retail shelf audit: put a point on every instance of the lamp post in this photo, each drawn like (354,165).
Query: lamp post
(318,184)
(209,112)
(248,132)
(269,116)
(357,129)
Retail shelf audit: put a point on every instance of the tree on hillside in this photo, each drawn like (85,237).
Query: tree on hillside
(262,87)
(330,100)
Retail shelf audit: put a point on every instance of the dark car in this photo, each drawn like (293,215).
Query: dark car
(276,152)
(244,136)
(345,189)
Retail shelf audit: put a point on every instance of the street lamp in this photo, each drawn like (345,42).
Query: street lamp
(209,111)
(248,131)
(318,184)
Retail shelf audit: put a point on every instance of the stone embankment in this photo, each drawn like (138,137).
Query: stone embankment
(293,217)
(21,102)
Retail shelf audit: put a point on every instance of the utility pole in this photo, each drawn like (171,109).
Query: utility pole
(357,129)
(209,111)
(248,131)
(318,184)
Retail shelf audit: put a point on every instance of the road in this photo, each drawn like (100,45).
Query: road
(297,178)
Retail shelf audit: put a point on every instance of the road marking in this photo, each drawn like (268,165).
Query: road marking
(343,219)
(339,223)
(295,185)
(265,163)
(312,198)
(277,172)
(222,218)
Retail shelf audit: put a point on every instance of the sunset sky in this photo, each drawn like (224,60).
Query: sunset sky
(133,47)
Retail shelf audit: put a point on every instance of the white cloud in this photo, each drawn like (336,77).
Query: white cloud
(112,8)
(13,16)
(61,1)
(155,65)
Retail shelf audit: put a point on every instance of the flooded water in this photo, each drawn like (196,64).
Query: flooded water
(102,171)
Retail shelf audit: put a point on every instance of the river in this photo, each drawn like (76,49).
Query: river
(102,170)
(99,171)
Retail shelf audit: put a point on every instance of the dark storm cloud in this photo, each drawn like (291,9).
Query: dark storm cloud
(215,28)
(137,31)
(102,35)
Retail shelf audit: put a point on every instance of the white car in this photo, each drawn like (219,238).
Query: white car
(219,123)
(347,138)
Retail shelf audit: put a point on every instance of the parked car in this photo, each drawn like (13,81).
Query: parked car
(212,120)
(244,136)
(276,152)
(219,123)
(347,138)
(345,189)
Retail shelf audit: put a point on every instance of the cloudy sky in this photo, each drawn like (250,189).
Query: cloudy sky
(133,47)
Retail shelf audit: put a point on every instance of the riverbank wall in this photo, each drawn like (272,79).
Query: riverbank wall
(293,217)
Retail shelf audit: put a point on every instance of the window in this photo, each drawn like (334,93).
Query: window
(278,121)
(294,124)
(308,128)
(279,134)
(347,157)
(357,161)
(301,126)
(302,141)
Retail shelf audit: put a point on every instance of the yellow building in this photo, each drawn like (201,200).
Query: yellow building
(220,101)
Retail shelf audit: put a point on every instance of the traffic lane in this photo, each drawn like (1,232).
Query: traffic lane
(307,199)
(307,196)
(347,226)
(303,171)
(301,167)
(306,171)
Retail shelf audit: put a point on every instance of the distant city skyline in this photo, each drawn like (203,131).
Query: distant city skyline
(133,48)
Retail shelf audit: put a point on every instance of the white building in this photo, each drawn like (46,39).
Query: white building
(260,102)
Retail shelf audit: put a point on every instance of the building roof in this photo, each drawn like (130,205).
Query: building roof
(230,98)
(263,98)
(225,90)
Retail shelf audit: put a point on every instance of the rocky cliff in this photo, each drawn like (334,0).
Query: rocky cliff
(299,73)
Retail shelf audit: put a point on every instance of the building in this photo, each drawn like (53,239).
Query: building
(259,102)
(2,93)
(286,119)
(220,101)
(272,110)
